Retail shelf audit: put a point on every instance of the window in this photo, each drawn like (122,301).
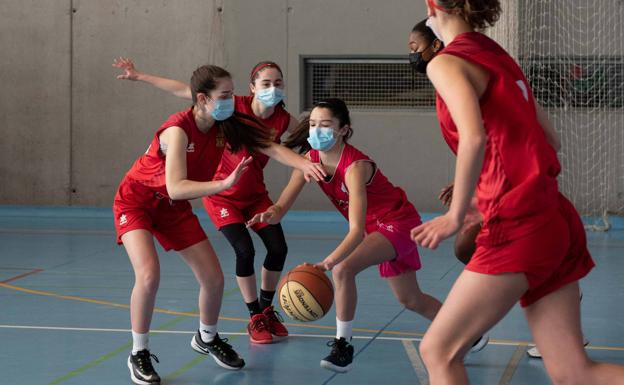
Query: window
(366,83)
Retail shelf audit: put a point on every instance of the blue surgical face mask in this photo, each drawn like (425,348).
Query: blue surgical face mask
(270,97)
(322,138)
(223,109)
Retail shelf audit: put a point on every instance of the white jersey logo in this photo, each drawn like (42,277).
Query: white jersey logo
(344,189)
(191,147)
(523,88)
(225,213)
(123,220)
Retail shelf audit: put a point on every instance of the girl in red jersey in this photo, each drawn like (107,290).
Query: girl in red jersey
(152,201)
(229,210)
(531,246)
(380,218)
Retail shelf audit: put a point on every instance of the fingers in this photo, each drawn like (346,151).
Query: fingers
(255,219)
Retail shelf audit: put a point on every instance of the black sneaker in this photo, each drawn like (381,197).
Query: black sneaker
(341,357)
(220,350)
(141,370)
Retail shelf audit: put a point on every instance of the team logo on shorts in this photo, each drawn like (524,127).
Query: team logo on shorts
(123,220)
(225,213)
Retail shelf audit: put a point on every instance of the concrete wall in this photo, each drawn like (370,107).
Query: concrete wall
(72,130)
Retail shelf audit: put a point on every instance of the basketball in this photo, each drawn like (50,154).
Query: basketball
(305,293)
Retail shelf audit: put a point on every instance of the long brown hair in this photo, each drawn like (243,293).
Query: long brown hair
(240,130)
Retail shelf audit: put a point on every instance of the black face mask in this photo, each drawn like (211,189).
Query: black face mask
(417,62)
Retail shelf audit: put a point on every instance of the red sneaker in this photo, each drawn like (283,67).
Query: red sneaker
(258,330)
(276,327)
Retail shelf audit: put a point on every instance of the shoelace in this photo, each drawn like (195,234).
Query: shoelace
(336,345)
(274,315)
(259,324)
(145,364)
(222,346)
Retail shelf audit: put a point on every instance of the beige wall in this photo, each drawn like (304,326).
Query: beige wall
(71,130)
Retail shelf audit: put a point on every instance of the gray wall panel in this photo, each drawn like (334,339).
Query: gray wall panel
(34,102)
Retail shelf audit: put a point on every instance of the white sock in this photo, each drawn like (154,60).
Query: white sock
(207,332)
(139,342)
(344,329)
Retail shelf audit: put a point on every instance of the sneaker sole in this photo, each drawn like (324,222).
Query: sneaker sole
(261,342)
(534,353)
(277,338)
(136,380)
(338,369)
(481,345)
(199,350)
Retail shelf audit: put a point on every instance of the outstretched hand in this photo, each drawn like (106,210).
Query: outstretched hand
(238,171)
(313,171)
(127,65)
(272,216)
(431,233)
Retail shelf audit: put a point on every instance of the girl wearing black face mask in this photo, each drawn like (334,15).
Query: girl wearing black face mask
(423,46)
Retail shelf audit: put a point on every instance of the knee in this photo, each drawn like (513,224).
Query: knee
(214,282)
(343,272)
(415,303)
(148,278)
(245,260)
(435,354)
(276,256)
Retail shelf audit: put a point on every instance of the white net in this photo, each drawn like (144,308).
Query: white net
(572,52)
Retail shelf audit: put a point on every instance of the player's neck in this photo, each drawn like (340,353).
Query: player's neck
(331,157)
(204,122)
(452,28)
(260,110)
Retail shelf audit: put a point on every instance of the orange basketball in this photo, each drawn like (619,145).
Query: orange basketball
(305,293)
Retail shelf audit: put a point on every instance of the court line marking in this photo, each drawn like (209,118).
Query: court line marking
(304,335)
(187,314)
(515,359)
(417,363)
(107,356)
(367,344)
(416,336)
(112,233)
(20,276)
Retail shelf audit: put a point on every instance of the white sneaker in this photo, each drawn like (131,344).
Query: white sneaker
(534,352)
(480,344)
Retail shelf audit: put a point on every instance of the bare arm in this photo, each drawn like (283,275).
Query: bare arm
(177,88)
(355,179)
(275,213)
(290,158)
(178,186)
(458,92)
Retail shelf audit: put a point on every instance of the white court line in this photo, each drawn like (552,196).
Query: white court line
(417,363)
(329,336)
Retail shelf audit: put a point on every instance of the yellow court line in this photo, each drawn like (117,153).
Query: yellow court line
(189,314)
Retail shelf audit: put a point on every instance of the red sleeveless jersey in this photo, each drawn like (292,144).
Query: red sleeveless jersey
(517,190)
(203,154)
(251,183)
(385,202)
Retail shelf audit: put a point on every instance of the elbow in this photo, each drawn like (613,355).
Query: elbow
(173,192)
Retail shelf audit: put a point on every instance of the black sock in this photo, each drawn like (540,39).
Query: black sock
(254,308)
(266,297)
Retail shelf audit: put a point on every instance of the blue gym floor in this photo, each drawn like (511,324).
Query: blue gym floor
(64,319)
